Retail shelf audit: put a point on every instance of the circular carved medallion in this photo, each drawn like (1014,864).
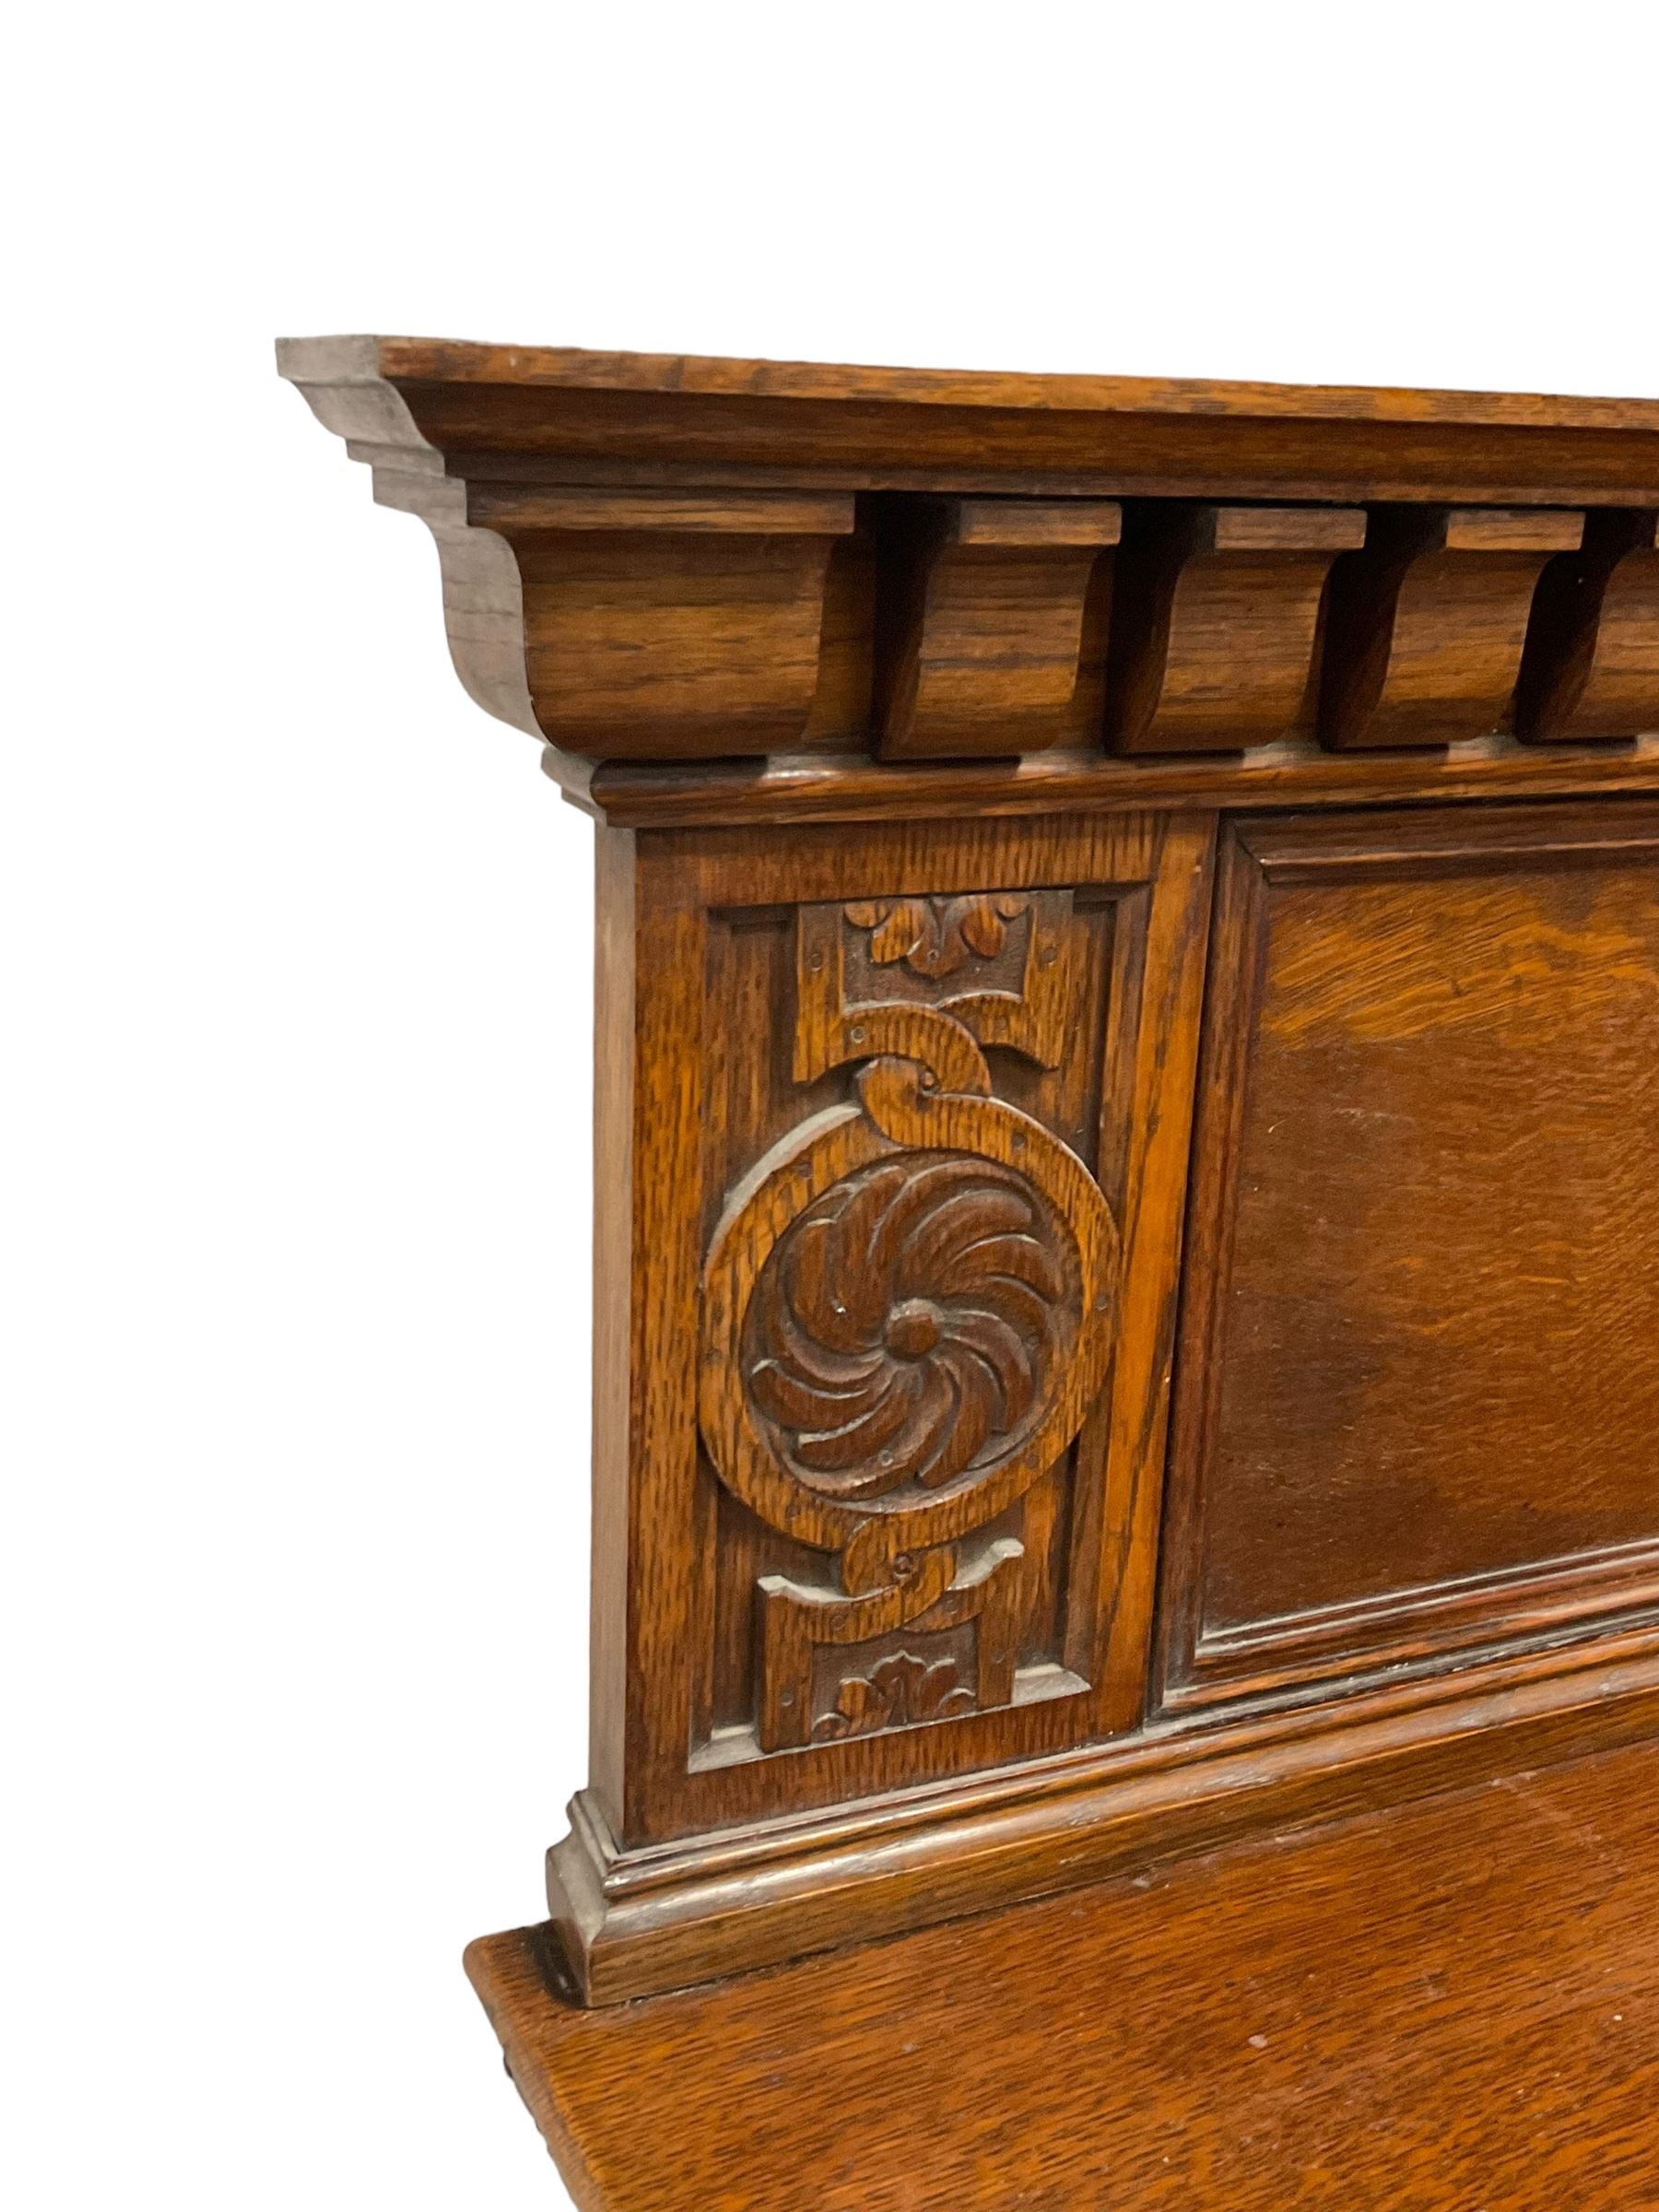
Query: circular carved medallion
(904,1329)
(906,1313)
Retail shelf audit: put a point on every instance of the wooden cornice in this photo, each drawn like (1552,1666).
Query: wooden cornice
(667,561)
(920,428)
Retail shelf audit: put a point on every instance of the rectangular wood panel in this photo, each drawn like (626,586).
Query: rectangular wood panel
(899,1126)
(1419,1408)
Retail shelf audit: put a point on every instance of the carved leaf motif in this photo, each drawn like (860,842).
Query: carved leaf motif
(904,1327)
(934,936)
(901,1692)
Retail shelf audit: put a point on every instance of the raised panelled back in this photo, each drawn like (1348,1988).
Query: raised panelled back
(916,709)
(1418,1405)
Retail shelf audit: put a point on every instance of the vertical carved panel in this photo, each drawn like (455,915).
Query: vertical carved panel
(892,1144)
(906,1311)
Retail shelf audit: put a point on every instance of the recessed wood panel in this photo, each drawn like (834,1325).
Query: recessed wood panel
(1419,1406)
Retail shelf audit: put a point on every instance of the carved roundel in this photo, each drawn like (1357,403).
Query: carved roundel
(906,1329)
(906,1314)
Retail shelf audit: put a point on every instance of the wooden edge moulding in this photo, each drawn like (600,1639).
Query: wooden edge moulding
(1128,997)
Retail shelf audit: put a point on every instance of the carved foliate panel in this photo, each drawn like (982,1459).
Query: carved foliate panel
(893,1139)
(907,1311)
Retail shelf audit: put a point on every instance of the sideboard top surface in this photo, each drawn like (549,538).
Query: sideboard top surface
(867,425)
(1446,2006)
(466,360)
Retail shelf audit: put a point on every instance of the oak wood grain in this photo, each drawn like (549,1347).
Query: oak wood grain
(702,994)
(1435,2009)
(1215,623)
(911,766)
(364,360)
(1426,627)
(1410,1416)
(978,652)
(725,1903)
(891,1139)
(656,627)
(1296,773)
(897,427)
(1591,669)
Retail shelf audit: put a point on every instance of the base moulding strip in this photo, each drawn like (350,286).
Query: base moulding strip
(1443,2005)
(634,1925)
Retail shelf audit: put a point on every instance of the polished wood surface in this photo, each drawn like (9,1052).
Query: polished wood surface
(980,643)
(1447,2008)
(1592,665)
(802,788)
(634,1921)
(365,359)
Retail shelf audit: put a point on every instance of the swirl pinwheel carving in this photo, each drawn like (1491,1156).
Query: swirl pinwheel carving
(904,1329)
(906,1310)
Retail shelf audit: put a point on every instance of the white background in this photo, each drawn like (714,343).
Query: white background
(296,942)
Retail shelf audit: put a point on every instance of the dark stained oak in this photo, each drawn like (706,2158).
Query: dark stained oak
(779,1016)
(982,631)
(461,362)
(1444,2009)
(801,788)
(637,1922)
(634,624)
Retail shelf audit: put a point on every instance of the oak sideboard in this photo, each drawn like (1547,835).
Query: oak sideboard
(1125,1585)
